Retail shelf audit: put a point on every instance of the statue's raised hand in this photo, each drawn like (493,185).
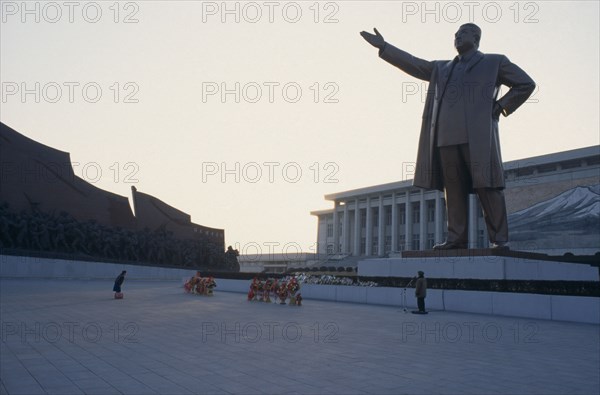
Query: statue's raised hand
(375,40)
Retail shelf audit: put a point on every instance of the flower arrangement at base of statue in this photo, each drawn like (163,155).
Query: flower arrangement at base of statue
(198,285)
(251,293)
(274,289)
(271,291)
(293,287)
(266,290)
(190,285)
(209,286)
(255,290)
(282,292)
(259,290)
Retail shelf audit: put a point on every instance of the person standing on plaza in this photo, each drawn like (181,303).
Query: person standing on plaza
(421,292)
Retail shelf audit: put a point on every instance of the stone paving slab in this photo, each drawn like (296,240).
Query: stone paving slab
(71,337)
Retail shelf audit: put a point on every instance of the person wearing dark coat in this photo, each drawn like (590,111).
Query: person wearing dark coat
(421,291)
(119,281)
(459,149)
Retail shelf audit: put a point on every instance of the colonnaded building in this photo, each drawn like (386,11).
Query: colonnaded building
(553,202)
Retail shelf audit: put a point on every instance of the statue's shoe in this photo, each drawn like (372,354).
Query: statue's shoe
(450,245)
(500,245)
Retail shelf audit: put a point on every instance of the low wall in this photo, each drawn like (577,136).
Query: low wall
(550,307)
(32,267)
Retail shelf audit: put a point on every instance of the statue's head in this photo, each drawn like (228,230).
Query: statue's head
(467,37)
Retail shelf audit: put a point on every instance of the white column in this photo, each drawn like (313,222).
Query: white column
(486,237)
(472,222)
(346,230)
(408,224)
(439,210)
(394,224)
(322,235)
(422,220)
(336,227)
(381,228)
(356,228)
(369,225)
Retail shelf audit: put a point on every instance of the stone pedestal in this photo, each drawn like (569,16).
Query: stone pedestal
(483,264)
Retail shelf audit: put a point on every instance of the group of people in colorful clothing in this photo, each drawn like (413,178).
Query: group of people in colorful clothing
(199,285)
(286,288)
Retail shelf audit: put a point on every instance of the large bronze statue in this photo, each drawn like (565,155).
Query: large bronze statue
(459,150)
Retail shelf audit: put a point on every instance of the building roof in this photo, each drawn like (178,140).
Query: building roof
(375,189)
(321,212)
(511,165)
(562,156)
(291,256)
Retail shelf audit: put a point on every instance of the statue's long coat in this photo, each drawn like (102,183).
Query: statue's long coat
(483,76)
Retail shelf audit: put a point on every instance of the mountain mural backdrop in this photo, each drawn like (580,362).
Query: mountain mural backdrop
(574,214)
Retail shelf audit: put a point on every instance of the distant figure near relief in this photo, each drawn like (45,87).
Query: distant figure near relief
(118,284)
(459,149)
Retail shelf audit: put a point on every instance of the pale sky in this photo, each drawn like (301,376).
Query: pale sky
(318,111)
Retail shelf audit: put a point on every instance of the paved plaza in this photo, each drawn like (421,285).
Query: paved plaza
(71,337)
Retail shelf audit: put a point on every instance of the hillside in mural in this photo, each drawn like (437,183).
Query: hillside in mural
(571,218)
